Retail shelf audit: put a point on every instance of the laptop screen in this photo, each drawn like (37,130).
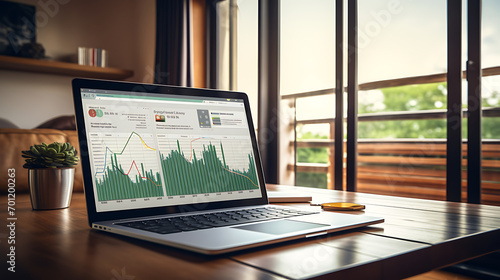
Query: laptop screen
(150,149)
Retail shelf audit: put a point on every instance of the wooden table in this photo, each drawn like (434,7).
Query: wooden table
(417,236)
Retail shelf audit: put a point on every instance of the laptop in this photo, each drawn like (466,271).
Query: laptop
(180,166)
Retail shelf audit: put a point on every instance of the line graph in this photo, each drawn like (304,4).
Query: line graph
(121,152)
(125,166)
(139,172)
(209,165)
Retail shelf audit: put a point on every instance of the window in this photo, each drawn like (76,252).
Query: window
(402,98)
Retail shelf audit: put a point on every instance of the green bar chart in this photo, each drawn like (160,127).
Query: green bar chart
(116,183)
(205,168)
(125,167)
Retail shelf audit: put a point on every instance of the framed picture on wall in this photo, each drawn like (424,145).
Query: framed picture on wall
(17,26)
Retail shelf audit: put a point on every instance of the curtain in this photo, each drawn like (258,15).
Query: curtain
(174,43)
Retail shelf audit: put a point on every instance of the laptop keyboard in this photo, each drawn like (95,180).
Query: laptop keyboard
(216,219)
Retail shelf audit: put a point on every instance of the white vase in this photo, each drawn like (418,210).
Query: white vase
(50,188)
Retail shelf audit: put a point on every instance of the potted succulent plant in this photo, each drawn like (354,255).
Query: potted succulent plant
(50,174)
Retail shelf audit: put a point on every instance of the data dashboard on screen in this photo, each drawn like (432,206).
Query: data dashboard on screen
(161,150)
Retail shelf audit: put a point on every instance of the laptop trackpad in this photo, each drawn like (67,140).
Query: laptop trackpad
(281,226)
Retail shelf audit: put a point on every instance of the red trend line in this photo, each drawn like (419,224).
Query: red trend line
(241,175)
(191,148)
(137,168)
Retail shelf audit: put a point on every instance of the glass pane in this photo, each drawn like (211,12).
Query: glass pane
(316,107)
(313,155)
(402,129)
(307,63)
(313,180)
(395,41)
(223,42)
(490,58)
(490,39)
(307,45)
(247,51)
(313,131)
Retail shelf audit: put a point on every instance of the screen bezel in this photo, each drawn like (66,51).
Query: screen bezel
(93,214)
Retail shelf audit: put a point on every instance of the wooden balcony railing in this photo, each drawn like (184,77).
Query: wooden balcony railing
(403,167)
(411,168)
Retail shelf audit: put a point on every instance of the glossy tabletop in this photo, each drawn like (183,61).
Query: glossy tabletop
(417,236)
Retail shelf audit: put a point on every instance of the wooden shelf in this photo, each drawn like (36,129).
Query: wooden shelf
(62,68)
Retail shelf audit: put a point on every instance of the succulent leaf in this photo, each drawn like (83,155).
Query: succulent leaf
(34,150)
(50,156)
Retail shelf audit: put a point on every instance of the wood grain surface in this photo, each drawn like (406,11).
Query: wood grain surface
(417,236)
